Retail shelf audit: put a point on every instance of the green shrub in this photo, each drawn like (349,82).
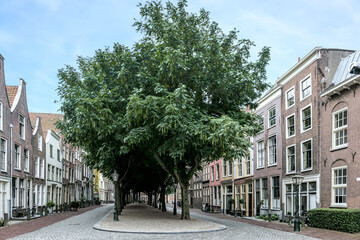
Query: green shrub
(344,220)
(50,204)
(274,217)
(266,218)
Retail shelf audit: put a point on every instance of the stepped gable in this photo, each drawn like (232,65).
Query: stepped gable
(11,91)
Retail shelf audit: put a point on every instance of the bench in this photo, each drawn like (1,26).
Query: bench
(19,212)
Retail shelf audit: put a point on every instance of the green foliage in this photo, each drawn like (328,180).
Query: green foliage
(50,204)
(74,204)
(274,217)
(178,96)
(3,222)
(345,220)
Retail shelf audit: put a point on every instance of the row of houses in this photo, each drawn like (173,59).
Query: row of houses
(311,126)
(36,165)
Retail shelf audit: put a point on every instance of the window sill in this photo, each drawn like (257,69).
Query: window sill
(290,173)
(307,170)
(334,149)
(304,131)
(272,165)
(271,126)
(18,169)
(288,107)
(288,137)
(301,99)
(260,168)
(338,205)
(3,171)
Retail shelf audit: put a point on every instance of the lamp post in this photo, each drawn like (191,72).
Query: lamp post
(297,180)
(115,177)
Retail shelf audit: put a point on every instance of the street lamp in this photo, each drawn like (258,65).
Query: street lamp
(297,180)
(115,177)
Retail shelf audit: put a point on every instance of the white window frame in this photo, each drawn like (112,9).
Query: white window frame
(333,187)
(308,77)
(240,168)
(263,122)
(39,142)
(37,167)
(22,129)
(258,166)
(230,168)
(272,192)
(287,159)
(224,168)
(1,116)
(287,126)
(270,109)
(42,168)
(217,171)
(292,89)
(301,118)
(268,148)
(5,155)
(265,203)
(302,156)
(26,160)
(19,147)
(342,128)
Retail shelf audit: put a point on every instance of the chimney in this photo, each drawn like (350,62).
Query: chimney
(2,73)
(298,59)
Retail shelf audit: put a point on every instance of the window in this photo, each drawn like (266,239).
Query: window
(248,164)
(212,173)
(230,168)
(217,171)
(17,156)
(240,168)
(39,142)
(58,155)
(1,117)
(42,169)
(291,160)
(339,186)
(26,160)
(275,192)
(261,122)
(51,151)
(306,155)
(37,167)
(272,150)
(306,118)
(264,193)
(22,126)
(48,172)
(260,154)
(340,128)
(305,86)
(53,173)
(290,126)
(224,168)
(243,196)
(3,156)
(272,117)
(290,97)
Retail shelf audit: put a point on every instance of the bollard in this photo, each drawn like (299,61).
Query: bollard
(46,211)
(6,217)
(28,214)
(41,211)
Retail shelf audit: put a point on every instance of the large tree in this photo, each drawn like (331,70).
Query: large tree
(180,95)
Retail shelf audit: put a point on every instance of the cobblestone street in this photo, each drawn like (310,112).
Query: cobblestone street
(81,227)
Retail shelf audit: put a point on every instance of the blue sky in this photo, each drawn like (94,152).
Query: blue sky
(38,37)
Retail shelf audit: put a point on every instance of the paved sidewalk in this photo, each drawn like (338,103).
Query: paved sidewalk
(141,218)
(22,227)
(307,231)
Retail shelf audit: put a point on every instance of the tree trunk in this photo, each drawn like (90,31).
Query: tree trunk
(150,199)
(185,209)
(118,198)
(162,198)
(155,199)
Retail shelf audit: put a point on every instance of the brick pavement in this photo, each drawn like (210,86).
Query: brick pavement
(38,223)
(307,231)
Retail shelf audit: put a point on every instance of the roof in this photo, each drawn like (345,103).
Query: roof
(11,91)
(48,121)
(342,72)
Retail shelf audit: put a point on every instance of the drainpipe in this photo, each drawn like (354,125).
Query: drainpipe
(11,168)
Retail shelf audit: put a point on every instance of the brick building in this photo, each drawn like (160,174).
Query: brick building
(300,103)
(340,128)
(267,155)
(215,185)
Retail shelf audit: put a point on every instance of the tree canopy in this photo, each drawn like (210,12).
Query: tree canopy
(181,95)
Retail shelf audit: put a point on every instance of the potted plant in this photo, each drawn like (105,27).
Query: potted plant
(74,205)
(50,204)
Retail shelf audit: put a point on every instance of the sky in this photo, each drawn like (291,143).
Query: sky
(39,37)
